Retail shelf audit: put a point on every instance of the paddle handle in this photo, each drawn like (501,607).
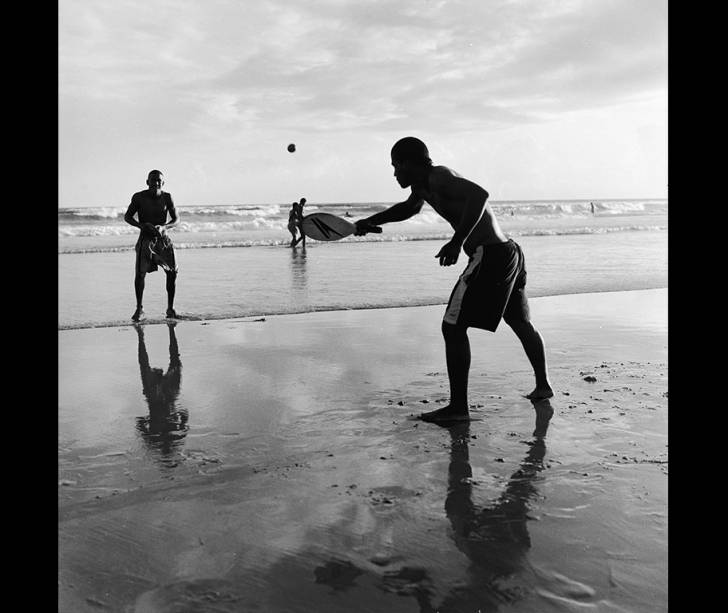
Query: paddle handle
(374,229)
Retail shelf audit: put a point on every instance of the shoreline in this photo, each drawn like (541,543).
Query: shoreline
(261,316)
(252,282)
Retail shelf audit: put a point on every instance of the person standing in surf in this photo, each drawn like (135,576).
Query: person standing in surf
(295,223)
(493,284)
(154,247)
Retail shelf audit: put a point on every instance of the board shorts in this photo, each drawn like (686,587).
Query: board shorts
(492,287)
(151,253)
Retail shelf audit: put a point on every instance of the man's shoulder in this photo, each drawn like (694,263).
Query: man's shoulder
(441,177)
(144,196)
(443,174)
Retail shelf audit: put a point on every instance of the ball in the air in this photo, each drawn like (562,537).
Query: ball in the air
(291,148)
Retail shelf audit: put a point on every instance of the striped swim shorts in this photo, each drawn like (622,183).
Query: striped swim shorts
(492,287)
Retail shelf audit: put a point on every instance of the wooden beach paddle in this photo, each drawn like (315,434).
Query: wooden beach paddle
(329,227)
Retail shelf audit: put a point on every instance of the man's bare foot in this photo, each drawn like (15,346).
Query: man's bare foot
(446,414)
(138,314)
(541,393)
(171,314)
(544,413)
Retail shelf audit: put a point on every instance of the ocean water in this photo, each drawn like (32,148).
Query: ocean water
(234,259)
(102,229)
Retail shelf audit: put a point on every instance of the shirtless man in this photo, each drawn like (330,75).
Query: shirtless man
(299,221)
(154,247)
(493,283)
(293,223)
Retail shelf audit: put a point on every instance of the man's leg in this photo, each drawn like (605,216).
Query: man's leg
(533,345)
(139,291)
(457,356)
(171,286)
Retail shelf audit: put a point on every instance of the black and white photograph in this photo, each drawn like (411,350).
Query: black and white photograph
(362,306)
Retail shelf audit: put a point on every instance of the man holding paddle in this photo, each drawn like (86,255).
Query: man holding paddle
(493,283)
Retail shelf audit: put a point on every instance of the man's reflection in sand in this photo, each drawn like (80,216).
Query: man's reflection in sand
(495,536)
(164,429)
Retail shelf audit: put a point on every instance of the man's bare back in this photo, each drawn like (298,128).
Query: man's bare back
(448,193)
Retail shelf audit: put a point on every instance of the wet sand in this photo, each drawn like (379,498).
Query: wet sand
(275,465)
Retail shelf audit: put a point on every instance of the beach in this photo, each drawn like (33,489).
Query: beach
(273,463)
(255,420)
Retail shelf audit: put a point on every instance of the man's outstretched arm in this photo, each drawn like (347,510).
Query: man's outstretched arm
(396,212)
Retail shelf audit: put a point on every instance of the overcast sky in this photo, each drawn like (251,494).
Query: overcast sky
(533,99)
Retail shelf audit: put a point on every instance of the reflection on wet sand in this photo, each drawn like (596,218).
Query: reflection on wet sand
(299,279)
(494,537)
(164,429)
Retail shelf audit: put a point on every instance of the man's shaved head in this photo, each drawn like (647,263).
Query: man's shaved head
(411,149)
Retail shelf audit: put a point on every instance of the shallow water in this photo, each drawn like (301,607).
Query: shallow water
(97,289)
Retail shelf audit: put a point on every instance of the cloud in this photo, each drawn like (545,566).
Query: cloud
(330,63)
(217,73)
(362,67)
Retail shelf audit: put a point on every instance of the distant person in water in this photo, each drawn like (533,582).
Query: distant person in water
(154,247)
(295,223)
(591,204)
(492,286)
